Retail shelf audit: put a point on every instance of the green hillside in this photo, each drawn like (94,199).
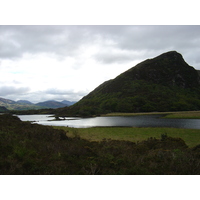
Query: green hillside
(3,109)
(164,83)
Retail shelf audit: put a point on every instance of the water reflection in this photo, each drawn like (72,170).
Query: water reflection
(133,121)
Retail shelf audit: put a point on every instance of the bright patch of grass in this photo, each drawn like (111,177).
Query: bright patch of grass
(184,115)
(136,114)
(171,115)
(190,136)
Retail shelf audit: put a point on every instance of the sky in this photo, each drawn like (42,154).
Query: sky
(66,62)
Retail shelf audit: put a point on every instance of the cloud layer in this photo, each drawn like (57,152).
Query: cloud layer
(10,90)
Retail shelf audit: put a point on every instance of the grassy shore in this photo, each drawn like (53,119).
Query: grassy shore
(190,136)
(171,115)
(184,115)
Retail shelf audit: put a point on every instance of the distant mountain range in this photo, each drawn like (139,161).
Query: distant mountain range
(164,83)
(68,103)
(7,104)
(55,104)
(24,102)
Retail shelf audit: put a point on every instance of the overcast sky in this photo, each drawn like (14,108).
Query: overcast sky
(39,63)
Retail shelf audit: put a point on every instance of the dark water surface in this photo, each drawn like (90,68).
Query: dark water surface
(127,121)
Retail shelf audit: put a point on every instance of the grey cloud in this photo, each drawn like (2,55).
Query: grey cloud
(60,40)
(11,90)
(159,37)
(117,44)
(114,57)
(57,94)
(49,94)
(63,41)
(142,42)
(14,93)
(55,91)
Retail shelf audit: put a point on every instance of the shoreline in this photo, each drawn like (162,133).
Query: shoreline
(167,115)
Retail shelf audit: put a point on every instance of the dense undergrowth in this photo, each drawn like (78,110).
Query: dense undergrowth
(35,149)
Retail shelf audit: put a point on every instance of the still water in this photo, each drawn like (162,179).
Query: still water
(133,121)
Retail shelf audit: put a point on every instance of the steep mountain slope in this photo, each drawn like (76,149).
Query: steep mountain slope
(164,83)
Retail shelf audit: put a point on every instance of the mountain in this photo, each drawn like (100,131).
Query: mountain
(19,105)
(68,103)
(24,102)
(6,101)
(27,105)
(51,104)
(3,109)
(164,83)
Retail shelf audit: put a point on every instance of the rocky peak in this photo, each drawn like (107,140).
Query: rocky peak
(167,69)
(171,54)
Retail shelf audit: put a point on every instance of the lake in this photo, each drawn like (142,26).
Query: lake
(126,121)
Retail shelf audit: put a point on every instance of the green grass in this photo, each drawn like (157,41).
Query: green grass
(171,115)
(136,114)
(184,115)
(190,136)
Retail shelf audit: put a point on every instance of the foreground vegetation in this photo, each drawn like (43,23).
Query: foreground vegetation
(35,149)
